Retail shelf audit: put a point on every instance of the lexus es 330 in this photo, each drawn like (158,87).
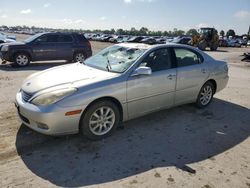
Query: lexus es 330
(119,83)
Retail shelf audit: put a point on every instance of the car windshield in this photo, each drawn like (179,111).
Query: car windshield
(115,59)
(205,31)
(30,39)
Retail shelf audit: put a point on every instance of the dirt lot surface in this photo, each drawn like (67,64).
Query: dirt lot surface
(179,147)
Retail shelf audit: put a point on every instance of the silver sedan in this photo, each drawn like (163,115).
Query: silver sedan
(119,83)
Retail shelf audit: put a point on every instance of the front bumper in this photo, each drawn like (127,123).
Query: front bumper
(53,117)
(5,55)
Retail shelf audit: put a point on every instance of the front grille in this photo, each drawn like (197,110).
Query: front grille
(26,96)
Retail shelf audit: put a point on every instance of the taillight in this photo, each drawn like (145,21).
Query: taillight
(88,44)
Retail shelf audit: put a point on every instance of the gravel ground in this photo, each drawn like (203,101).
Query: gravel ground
(178,147)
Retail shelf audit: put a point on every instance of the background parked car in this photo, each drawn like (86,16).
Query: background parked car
(234,43)
(5,38)
(106,38)
(161,40)
(243,42)
(47,46)
(182,40)
(135,39)
(13,37)
(148,40)
(123,39)
(223,43)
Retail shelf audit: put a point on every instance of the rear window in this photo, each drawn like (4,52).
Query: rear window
(81,38)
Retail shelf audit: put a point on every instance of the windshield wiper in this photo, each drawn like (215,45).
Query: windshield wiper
(108,67)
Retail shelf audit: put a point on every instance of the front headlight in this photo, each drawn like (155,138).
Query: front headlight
(5,48)
(52,97)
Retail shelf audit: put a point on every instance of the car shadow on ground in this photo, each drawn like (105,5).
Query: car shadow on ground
(37,66)
(173,137)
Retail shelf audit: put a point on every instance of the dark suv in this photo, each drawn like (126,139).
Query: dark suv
(47,46)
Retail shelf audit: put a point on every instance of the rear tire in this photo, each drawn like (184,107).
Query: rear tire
(205,96)
(79,57)
(100,120)
(21,60)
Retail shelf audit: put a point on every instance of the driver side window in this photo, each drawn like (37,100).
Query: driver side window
(158,60)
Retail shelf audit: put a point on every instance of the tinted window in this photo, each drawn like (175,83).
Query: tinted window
(186,57)
(65,38)
(52,38)
(158,60)
(48,38)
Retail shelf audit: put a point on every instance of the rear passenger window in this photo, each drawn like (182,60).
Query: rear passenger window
(52,38)
(65,38)
(186,57)
(158,60)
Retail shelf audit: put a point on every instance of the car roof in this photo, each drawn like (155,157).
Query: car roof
(146,46)
(134,45)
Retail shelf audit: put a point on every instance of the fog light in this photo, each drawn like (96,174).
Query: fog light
(42,126)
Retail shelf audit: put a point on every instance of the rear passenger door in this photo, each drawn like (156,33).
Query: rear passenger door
(191,74)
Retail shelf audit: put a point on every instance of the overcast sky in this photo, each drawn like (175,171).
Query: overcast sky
(106,14)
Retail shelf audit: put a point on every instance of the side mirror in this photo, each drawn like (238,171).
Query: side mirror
(142,71)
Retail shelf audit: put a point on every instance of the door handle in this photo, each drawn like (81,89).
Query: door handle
(203,71)
(171,76)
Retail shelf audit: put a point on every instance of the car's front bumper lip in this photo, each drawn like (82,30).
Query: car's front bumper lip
(54,117)
(1,56)
(4,55)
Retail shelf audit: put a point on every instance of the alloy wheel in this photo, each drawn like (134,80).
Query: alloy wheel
(79,57)
(102,120)
(206,95)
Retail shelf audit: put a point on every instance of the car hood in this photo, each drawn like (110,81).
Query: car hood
(13,43)
(9,42)
(73,75)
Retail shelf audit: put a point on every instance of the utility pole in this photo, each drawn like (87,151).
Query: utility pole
(248,34)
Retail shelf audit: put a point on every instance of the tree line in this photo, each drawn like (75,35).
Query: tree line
(143,31)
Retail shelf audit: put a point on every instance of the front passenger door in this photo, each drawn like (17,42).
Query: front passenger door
(45,47)
(151,92)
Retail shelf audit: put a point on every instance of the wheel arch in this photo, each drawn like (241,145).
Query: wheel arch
(214,84)
(79,51)
(106,98)
(21,51)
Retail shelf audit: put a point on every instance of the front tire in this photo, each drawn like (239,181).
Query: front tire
(205,96)
(21,60)
(100,120)
(214,46)
(202,45)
